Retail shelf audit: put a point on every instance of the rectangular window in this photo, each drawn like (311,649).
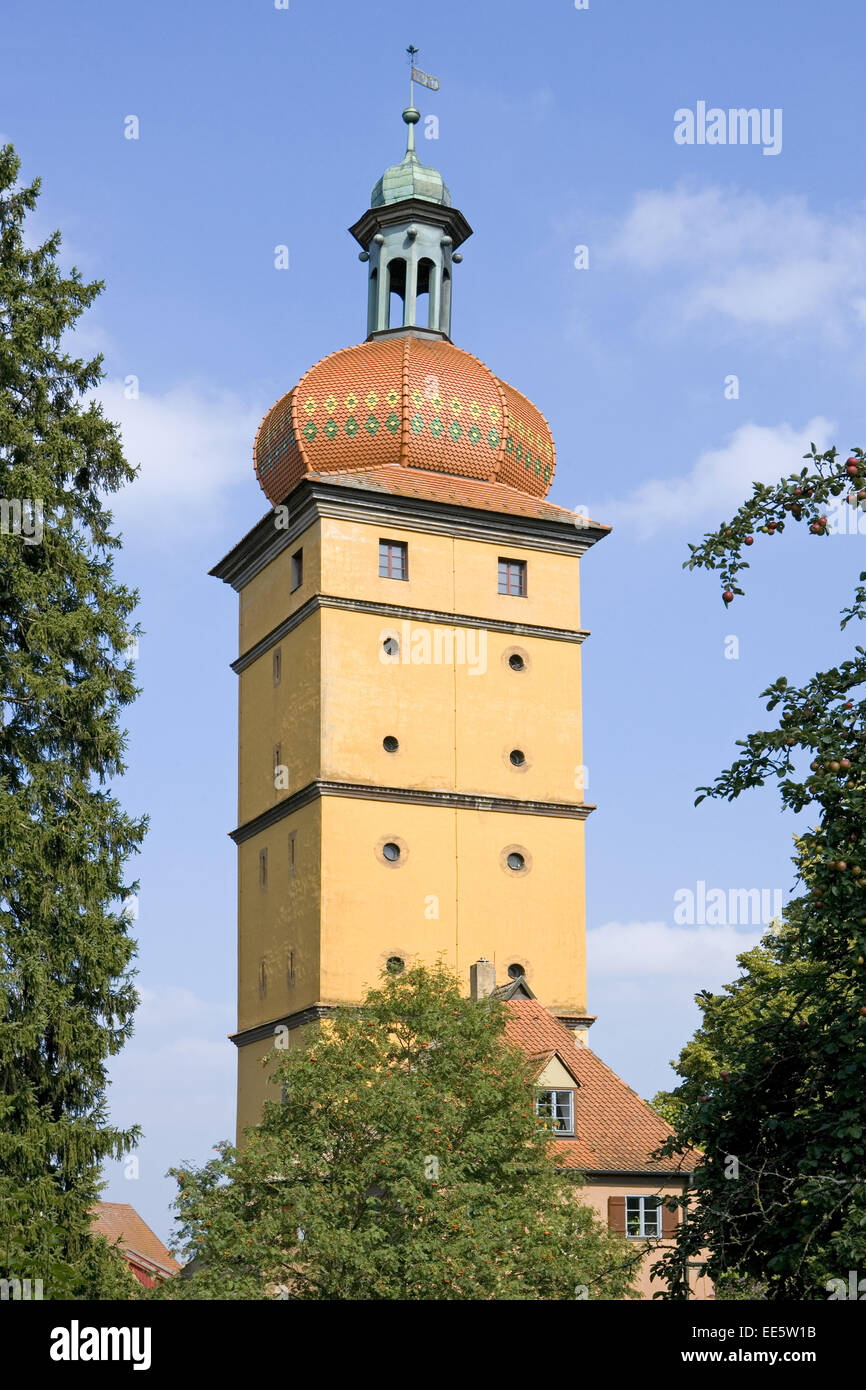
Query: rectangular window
(643,1216)
(393,560)
(297,570)
(263,868)
(512,577)
(278,665)
(557,1108)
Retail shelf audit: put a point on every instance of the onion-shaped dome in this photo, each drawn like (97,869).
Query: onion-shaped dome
(410,178)
(408,402)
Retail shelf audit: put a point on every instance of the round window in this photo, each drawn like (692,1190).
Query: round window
(390,744)
(391,851)
(515,861)
(517,756)
(391,646)
(395,965)
(515,971)
(516,662)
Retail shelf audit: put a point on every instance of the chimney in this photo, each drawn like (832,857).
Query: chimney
(482,979)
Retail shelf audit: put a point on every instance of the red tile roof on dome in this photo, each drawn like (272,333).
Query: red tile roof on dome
(616,1130)
(409,401)
(460,492)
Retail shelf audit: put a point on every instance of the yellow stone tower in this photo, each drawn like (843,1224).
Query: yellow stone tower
(410,761)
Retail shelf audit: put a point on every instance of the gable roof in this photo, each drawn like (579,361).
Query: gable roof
(540,1060)
(515,989)
(616,1130)
(121,1224)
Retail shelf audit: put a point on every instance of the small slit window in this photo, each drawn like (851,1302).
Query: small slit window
(278,665)
(263,868)
(297,569)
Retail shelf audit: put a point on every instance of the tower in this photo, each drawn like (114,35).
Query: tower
(409,672)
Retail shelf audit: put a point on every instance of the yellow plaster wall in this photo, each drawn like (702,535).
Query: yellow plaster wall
(450,895)
(268,598)
(448,575)
(287,714)
(280,918)
(255,1074)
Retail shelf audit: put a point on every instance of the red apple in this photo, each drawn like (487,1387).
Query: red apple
(728,596)
(749,540)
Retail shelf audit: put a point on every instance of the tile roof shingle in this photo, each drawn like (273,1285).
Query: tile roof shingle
(118,1221)
(616,1130)
(460,491)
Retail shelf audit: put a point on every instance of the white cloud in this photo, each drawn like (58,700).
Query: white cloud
(756,261)
(176,1078)
(705,955)
(643,980)
(193,445)
(721,478)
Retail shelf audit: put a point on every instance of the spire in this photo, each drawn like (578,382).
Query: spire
(411,114)
(409,237)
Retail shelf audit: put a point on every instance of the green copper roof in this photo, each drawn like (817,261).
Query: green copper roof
(410,178)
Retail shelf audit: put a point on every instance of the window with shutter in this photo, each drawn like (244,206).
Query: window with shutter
(643,1217)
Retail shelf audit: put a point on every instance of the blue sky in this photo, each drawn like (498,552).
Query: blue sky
(261,126)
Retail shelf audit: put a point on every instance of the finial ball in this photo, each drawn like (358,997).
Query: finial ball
(411,115)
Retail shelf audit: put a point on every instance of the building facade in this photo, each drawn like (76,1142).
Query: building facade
(410,760)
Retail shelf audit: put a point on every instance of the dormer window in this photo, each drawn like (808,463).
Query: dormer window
(557,1109)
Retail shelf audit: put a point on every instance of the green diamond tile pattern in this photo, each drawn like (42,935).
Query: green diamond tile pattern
(412,402)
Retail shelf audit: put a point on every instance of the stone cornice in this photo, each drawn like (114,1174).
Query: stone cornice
(312,1014)
(313,499)
(405,795)
(573,1021)
(400,613)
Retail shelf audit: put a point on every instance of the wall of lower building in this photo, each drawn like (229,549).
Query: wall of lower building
(597,1193)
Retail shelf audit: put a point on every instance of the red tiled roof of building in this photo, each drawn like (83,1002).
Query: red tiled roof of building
(121,1223)
(616,1130)
(449,487)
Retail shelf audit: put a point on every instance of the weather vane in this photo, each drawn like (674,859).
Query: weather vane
(416,75)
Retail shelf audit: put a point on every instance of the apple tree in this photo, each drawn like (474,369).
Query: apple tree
(773,1088)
